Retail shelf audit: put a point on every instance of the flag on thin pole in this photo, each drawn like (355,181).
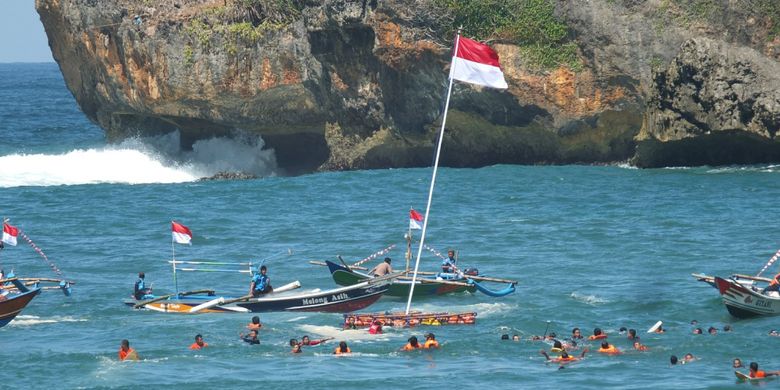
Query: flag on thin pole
(476,63)
(415,220)
(181,233)
(9,234)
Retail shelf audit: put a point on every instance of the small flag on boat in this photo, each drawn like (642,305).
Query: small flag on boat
(476,63)
(415,220)
(181,233)
(9,234)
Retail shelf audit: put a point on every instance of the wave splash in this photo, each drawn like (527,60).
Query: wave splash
(140,161)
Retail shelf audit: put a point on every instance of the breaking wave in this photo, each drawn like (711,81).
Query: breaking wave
(26,320)
(588,299)
(140,161)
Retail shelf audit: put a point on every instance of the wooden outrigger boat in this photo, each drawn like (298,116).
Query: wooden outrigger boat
(340,300)
(12,303)
(745,301)
(364,320)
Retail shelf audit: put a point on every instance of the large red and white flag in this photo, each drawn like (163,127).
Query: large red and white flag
(477,63)
(181,233)
(9,234)
(415,220)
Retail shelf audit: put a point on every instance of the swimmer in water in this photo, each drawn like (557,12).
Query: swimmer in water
(608,349)
(564,358)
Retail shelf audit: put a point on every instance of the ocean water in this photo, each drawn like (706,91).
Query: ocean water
(591,246)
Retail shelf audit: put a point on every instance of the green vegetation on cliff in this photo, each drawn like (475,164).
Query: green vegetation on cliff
(531,24)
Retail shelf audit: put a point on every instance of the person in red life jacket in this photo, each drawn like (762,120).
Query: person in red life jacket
(306,341)
(376,327)
(412,344)
(632,334)
(608,349)
(125,352)
(597,335)
(255,324)
(564,358)
(198,344)
(342,349)
(756,373)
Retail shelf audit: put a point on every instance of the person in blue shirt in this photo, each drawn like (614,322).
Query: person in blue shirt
(261,283)
(448,264)
(140,290)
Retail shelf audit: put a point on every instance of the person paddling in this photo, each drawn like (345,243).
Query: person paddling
(756,373)
(125,352)
(261,283)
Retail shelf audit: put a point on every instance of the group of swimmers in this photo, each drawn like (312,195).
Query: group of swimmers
(565,346)
(253,329)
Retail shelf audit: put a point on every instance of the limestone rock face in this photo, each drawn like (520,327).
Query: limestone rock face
(715,102)
(342,84)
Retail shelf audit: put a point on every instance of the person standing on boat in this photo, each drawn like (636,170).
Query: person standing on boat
(140,290)
(448,264)
(261,283)
(382,269)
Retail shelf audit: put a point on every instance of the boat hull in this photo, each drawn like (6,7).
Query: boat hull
(13,306)
(744,301)
(338,300)
(399,288)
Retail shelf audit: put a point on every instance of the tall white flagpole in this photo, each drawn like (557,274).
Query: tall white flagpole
(173,260)
(433,179)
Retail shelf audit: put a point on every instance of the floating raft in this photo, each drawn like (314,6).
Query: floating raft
(364,320)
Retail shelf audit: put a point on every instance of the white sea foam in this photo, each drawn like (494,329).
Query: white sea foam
(139,161)
(26,320)
(588,299)
(296,319)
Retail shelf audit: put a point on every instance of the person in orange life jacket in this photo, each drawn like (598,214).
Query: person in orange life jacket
(255,324)
(448,264)
(632,334)
(608,348)
(564,358)
(382,269)
(261,283)
(342,349)
(139,289)
(597,335)
(125,352)
(774,285)
(412,344)
(430,341)
(306,341)
(756,373)
(198,344)
(376,327)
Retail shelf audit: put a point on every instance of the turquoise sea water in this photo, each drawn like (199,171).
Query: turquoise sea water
(591,246)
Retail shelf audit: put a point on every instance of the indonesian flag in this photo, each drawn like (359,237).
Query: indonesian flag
(415,220)
(476,63)
(181,233)
(9,234)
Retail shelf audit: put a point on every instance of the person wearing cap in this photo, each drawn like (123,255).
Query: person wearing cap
(430,341)
(382,269)
(261,283)
(140,290)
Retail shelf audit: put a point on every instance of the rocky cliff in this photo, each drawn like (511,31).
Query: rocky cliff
(338,84)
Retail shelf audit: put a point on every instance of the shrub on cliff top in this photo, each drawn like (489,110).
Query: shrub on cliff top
(531,24)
